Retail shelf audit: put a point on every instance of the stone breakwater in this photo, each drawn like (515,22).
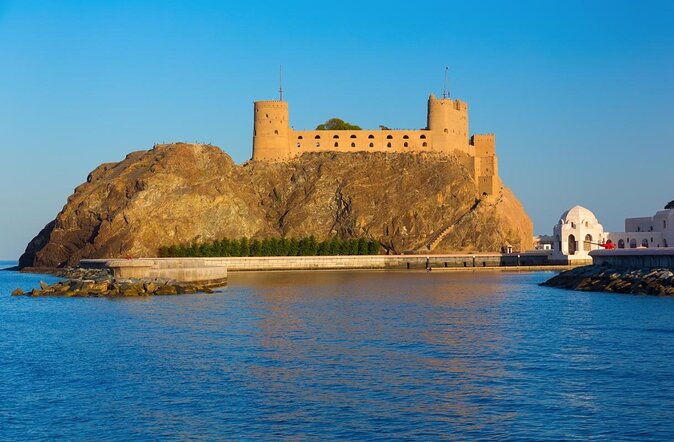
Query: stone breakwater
(101,283)
(601,278)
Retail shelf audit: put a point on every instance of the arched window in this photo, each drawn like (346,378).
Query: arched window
(275,132)
(446,131)
(371,144)
(633,243)
(370,137)
(424,144)
(317,137)
(572,245)
(300,137)
(389,137)
(336,144)
(423,137)
(406,137)
(298,145)
(335,136)
(573,225)
(587,244)
(405,144)
(644,242)
(318,144)
(353,144)
(621,243)
(352,136)
(388,144)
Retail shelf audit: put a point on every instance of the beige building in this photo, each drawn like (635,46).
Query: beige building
(446,132)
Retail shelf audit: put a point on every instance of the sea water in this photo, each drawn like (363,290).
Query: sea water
(339,355)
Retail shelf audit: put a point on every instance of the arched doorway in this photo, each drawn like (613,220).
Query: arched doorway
(621,243)
(587,244)
(572,245)
(644,242)
(633,243)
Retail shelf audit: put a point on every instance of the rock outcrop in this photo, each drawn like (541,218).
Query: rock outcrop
(84,283)
(595,278)
(180,193)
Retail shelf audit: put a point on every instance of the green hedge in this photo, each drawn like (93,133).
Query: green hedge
(272,247)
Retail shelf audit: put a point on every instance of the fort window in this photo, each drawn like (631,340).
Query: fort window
(353,144)
(644,243)
(371,137)
(389,137)
(406,137)
(446,131)
(317,137)
(336,144)
(335,136)
(352,136)
(388,144)
(621,244)
(424,144)
(298,145)
(423,137)
(406,144)
(318,144)
(371,144)
(300,137)
(633,243)
(275,132)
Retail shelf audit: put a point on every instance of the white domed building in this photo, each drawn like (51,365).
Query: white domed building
(576,234)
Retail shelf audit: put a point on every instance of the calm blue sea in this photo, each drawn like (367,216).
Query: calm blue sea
(339,355)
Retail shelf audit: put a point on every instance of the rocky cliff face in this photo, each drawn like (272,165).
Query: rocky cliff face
(180,193)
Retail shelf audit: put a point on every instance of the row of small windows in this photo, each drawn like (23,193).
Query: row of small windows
(371,137)
(405,144)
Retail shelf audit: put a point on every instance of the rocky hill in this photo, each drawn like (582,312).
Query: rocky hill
(179,193)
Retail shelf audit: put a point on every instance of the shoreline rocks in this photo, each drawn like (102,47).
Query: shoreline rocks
(596,278)
(81,282)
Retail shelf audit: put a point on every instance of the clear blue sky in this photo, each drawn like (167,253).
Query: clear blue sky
(579,93)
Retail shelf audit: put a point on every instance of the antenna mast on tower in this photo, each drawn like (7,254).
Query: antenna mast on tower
(444,91)
(280,82)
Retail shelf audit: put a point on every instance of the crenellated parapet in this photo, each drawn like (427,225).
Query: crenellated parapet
(446,132)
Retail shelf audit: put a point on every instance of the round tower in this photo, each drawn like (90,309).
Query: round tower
(448,121)
(270,131)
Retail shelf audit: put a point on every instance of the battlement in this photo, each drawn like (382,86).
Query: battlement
(446,132)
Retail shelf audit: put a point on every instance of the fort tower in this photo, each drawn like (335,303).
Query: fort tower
(448,122)
(270,130)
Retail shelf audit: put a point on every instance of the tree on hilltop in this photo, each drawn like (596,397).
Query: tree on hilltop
(337,124)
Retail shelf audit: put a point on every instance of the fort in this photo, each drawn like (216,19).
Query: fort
(446,133)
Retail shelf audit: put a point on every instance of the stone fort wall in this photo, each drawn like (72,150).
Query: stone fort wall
(446,132)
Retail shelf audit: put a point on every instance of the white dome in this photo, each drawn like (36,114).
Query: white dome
(578,214)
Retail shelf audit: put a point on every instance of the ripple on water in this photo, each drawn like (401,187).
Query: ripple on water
(339,355)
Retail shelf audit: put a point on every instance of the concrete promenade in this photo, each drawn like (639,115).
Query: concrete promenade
(210,269)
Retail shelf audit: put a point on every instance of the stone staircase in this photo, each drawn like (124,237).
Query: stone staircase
(441,234)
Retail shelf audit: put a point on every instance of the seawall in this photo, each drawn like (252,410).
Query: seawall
(635,258)
(204,269)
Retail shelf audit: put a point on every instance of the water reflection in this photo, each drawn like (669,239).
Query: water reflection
(349,355)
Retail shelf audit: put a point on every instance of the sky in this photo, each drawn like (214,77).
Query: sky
(578,93)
